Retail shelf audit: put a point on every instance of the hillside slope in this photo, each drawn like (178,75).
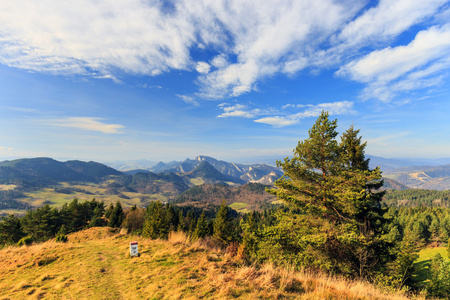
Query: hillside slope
(251,196)
(47,171)
(425,177)
(95,264)
(209,174)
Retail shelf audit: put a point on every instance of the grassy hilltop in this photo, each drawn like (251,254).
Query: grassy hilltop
(95,264)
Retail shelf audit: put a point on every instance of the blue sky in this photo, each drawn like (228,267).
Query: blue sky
(237,80)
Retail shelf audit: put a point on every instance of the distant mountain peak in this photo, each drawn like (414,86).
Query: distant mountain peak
(205,168)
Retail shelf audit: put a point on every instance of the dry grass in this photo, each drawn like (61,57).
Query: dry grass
(95,264)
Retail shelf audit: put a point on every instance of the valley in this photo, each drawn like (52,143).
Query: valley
(28,183)
(201,182)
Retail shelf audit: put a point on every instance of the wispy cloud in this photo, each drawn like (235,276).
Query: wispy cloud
(248,40)
(148,86)
(188,99)
(238,110)
(404,68)
(387,20)
(86,123)
(335,108)
(285,117)
(5,150)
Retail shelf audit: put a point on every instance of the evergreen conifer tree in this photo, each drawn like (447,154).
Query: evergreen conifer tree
(222,224)
(155,225)
(117,216)
(333,208)
(181,221)
(10,230)
(201,229)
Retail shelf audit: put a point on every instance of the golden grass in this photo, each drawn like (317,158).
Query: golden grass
(7,187)
(48,195)
(95,264)
(240,207)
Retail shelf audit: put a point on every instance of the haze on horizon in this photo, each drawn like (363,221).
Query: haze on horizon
(234,80)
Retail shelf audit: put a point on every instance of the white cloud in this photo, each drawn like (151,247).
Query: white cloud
(188,99)
(268,38)
(250,40)
(278,121)
(86,123)
(220,61)
(148,86)
(296,106)
(238,110)
(95,38)
(388,19)
(5,150)
(203,67)
(403,68)
(334,108)
(99,38)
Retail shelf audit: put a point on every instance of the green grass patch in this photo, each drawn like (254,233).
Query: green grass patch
(197,181)
(53,198)
(7,187)
(428,253)
(12,211)
(240,207)
(424,261)
(277,202)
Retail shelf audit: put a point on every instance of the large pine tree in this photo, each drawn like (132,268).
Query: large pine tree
(334,209)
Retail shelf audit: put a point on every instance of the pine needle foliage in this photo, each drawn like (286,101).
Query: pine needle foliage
(222,224)
(335,218)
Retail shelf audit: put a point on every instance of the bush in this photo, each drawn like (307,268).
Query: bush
(61,238)
(28,240)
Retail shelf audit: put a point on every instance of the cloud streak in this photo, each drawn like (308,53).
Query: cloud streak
(86,123)
(335,108)
(282,118)
(238,110)
(404,68)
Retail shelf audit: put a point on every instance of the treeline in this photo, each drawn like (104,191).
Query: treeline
(8,200)
(424,225)
(417,197)
(412,229)
(155,221)
(46,222)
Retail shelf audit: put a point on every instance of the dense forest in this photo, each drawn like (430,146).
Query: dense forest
(416,197)
(333,219)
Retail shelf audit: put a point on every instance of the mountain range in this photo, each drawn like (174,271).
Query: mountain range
(44,180)
(188,181)
(43,171)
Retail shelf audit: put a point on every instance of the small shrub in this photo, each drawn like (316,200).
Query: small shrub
(232,249)
(61,238)
(28,240)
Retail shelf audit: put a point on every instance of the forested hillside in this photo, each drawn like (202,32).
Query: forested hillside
(248,197)
(417,197)
(425,177)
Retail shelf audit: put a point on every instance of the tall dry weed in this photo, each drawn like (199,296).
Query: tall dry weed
(178,237)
